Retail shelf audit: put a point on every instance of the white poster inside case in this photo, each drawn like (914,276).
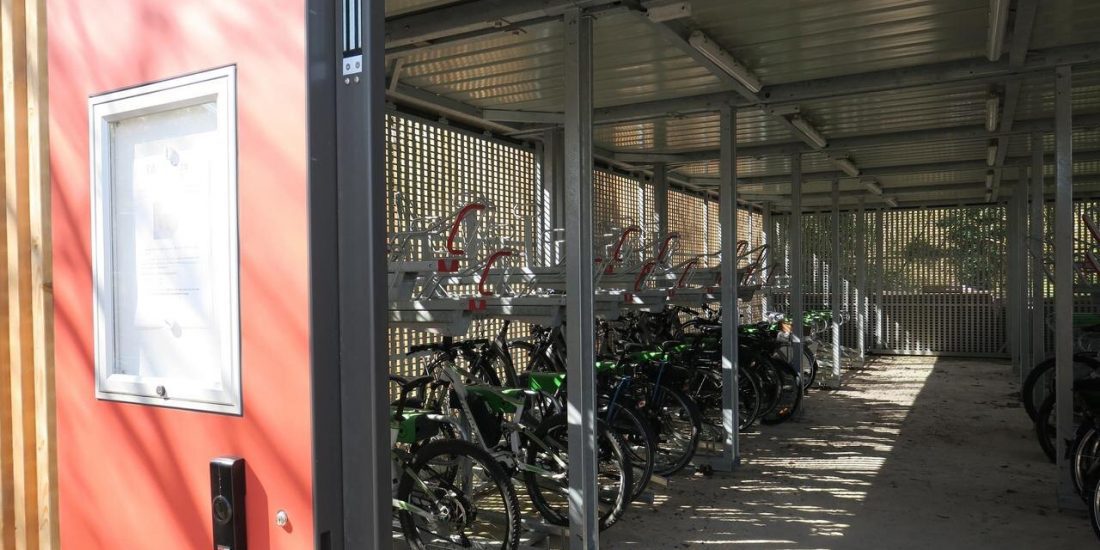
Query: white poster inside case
(165,260)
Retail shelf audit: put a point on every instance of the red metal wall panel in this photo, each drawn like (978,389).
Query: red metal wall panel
(135,476)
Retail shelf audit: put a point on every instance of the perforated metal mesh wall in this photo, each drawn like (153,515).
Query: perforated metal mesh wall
(1086,285)
(437,169)
(687,215)
(618,201)
(940,285)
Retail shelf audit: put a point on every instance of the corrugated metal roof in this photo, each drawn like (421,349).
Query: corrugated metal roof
(690,133)
(782,41)
(1061,22)
(523,70)
(796,40)
(911,109)
(402,7)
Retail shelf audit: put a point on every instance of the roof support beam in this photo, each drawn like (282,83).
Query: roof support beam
(949,133)
(970,70)
(470,18)
(1021,41)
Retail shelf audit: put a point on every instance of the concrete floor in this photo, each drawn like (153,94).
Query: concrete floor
(910,453)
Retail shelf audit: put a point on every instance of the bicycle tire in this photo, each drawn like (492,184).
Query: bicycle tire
(554,430)
(501,484)
(1040,379)
(667,408)
(640,444)
(790,396)
(1045,430)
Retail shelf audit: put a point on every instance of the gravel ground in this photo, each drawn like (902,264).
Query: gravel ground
(909,453)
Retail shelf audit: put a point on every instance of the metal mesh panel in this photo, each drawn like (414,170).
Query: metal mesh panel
(617,201)
(435,169)
(687,216)
(944,280)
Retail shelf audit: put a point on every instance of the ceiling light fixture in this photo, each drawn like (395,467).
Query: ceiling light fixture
(847,167)
(992,112)
(808,132)
(998,26)
(872,185)
(712,51)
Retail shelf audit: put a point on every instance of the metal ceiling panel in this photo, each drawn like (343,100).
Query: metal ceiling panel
(523,70)
(402,7)
(1064,22)
(1037,94)
(919,153)
(795,40)
(911,109)
(689,133)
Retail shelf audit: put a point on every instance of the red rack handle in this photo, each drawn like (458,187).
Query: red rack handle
(485,272)
(466,211)
(643,274)
(687,270)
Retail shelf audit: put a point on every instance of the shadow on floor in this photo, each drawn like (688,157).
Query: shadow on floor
(910,453)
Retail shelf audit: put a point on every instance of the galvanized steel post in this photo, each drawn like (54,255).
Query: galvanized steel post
(794,230)
(835,281)
(861,279)
(727,213)
(1063,278)
(1036,248)
(579,308)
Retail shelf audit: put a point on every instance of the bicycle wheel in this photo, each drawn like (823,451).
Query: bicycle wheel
(1040,381)
(1094,507)
(640,443)
(675,420)
(1086,452)
(1045,429)
(457,496)
(790,396)
(770,382)
(548,453)
(535,362)
(809,367)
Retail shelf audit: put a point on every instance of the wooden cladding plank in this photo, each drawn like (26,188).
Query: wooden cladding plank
(41,260)
(28,465)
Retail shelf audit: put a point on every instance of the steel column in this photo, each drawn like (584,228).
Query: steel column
(1036,250)
(727,213)
(1019,240)
(835,280)
(770,255)
(880,273)
(579,310)
(660,202)
(1012,299)
(794,231)
(347,217)
(1063,277)
(861,280)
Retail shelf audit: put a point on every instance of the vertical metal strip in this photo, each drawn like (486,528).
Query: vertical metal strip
(579,314)
(727,214)
(861,279)
(1063,278)
(660,203)
(880,284)
(1012,318)
(1035,248)
(1019,241)
(835,279)
(770,254)
(794,231)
